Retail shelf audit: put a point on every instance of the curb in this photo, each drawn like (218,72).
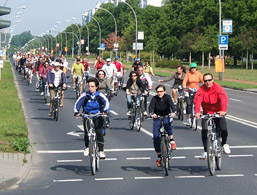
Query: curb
(23,171)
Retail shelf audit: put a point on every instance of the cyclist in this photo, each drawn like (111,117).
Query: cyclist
(87,68)
(43,76)
(120,68)
(39,63)
(21,64)
(77,70)
(55,78)
(103,84)
(134,87)
(136,64)
(178,79)
(213,99)
(110,71)
(29,69)
(161,105)
(148,69)
(191,80)
(148,84)
(93,102)
(99,63)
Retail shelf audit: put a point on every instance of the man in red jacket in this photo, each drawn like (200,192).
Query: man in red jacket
(213,99)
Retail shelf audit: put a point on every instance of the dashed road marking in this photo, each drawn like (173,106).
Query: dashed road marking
(146,132)
(241,155)
(65,161)
(148,178)
(67,180)
(255,174)
(189,177)
(109,159)
(178,157)
(242,121)
(138,158)
(233,175)
(113,112)
(109,179)
(235,100)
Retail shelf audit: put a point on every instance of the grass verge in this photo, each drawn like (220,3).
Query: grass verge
(13,130)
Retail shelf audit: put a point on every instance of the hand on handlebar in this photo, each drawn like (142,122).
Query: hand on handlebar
(51,85)
(198,115)
(154,116)
(222,113)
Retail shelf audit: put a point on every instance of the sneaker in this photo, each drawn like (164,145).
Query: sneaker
(145,113)
(188,123)
(102,155)
(173,145)
(226,149)
(158,163)
(129,113)
(86,152)
(204,156)
(185,111)
(42,93)
(50,114)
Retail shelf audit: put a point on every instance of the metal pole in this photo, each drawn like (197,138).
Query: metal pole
(99,35)
(136,22)
(79,38)
(87,41)
(220,52)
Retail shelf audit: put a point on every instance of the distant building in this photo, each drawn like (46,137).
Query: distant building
(145,3)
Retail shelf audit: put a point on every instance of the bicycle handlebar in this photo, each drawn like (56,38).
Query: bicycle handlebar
(215,115)
(93,115)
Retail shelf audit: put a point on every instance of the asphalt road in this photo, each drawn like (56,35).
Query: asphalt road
(59,167)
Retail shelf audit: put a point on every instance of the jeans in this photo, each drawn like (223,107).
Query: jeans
(156,127)
(130,100)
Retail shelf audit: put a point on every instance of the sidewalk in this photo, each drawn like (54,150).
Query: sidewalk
(13,167)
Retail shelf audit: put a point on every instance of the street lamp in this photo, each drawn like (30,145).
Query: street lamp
(72,49)
(220,52)
(99,35)
(124,1)
(115,23)
(79,35)
(86,14)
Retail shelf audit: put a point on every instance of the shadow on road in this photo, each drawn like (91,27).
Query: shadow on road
(79,170)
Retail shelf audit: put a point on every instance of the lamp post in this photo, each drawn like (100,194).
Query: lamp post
(99,35)
(124,1)
(79,36)
(87,36)
(220,51)
(72,49)
(115,24)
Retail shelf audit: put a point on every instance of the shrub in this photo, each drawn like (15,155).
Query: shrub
(21,144)
(168,63)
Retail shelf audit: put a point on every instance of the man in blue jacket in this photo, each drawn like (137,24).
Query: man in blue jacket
(93,102)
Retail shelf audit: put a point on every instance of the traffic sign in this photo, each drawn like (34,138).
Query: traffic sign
(223,42)
(102,46)
(227,26)
(139,46)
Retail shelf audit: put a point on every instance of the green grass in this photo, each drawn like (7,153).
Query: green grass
(236,85)
(13,130)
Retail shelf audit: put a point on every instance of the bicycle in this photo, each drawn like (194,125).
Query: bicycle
(56,103)
(46,93)
(93,146)
(136,117)
(77,89)
(165,146)
(116,86)
(180,103)
(194,120)
(214,147)
(28,75)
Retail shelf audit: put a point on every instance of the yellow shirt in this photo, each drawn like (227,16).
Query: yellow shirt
(77,69)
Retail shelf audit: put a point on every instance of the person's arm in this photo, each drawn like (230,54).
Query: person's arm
(72,69)
(105,101)
(223,100)
(78,104)
(198,102)
(171,104)
(184,84)
(151,107)
(169,78)
(88,66)
(201,77)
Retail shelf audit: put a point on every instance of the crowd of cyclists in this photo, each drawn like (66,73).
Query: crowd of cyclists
(96,93)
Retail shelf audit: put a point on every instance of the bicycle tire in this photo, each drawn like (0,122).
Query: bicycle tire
(195,124)
(92,156)
(132,118)
(97,159)
(56,110)
(45,99)
(210,156)
(138,119)
(218,156)
(165,157)
(181,110)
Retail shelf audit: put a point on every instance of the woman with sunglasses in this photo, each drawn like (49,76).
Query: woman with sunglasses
(104,86)
(191,83)
(162,105)
(135,88)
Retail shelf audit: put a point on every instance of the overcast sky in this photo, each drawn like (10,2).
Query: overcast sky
(42,15)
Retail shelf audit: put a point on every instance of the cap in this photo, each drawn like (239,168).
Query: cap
(116,57)
(137,59)
(56,64)
(193,65)
(108,60)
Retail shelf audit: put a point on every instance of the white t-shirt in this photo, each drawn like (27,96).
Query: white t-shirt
(109,70)
(57,77)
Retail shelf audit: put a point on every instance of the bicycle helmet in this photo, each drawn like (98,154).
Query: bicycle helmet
(193,65)
(108,60)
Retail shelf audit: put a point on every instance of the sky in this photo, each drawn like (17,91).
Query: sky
(42,15)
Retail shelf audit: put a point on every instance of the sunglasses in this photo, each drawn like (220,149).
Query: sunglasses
(91,86)
(207,80)
(159,91)
(100,74)
(133,75)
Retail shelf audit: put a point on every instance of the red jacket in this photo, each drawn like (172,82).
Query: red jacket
(212,99)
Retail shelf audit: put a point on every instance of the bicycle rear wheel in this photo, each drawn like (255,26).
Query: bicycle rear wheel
(210,156)
(92,155)
(195,127)
(139,117)
(77,91)
(56,110)
(97,159)
(165,156)
(132,119)
(218,156)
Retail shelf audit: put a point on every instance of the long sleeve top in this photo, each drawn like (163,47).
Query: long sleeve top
(192,80)
(161,106)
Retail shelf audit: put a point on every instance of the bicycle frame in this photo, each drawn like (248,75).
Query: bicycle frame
(136,117)
(180,103)
(56,103)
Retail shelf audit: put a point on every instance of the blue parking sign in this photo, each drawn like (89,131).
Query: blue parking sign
(223,39)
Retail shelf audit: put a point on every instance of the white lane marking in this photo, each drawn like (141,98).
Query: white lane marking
(81,127)
(138,158)
(189,177)
(198,156)
(235,100)
(241,155)
(240,119)
(152,93)
(233,175)
(69,86)
(244,123)
(146,132)
(106,159)
(178,157)
(75,133)
(47,104)
(109,179)
(148,177)
(255,174)
(68,180)
(64,161)
(113,112)
(135,149)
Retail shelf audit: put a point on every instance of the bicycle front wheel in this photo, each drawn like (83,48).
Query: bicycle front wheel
(132,119)
(210,156)
(181,110)
(165,156)
(56,110)
(92,155)
(139,117)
